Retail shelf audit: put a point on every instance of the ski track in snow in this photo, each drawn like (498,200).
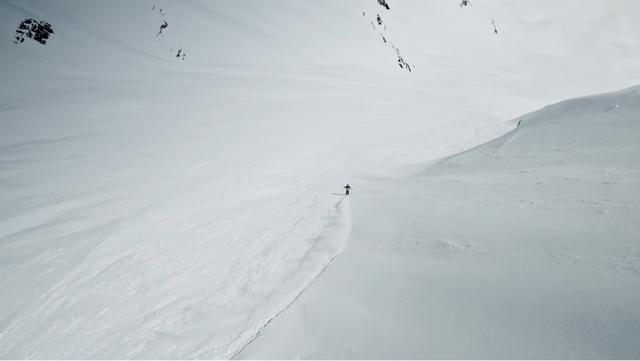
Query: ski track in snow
(510,250)
(338,229)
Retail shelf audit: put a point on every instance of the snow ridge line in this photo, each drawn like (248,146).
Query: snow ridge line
(338,229)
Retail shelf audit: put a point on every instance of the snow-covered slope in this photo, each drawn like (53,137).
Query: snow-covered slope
(157,204)
(525,247)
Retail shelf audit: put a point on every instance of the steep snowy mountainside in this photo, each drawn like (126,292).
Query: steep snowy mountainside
(439,39)
(93,37)
(166,190)
(524,247)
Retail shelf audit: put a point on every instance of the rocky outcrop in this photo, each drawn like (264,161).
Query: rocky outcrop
(384,4)
(381,28)
(39,31)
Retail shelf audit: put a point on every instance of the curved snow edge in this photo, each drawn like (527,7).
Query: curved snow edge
(329,243)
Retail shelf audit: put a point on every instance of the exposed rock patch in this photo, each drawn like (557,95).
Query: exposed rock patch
(384,4)
(381,28)
(162,27)
(39,31)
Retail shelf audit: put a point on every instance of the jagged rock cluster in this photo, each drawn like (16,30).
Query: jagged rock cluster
(39,31)
(162,27)
(379,26)
(180,54)
(384,4)
(402,63)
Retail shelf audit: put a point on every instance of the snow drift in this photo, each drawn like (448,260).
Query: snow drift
(525,247)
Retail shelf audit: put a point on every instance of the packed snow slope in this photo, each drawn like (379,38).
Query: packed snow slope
(524,248)
(167,167)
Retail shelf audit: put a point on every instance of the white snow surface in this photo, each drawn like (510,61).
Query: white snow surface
(523,248)
(153,207)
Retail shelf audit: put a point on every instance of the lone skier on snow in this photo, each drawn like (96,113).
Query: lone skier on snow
(347,189)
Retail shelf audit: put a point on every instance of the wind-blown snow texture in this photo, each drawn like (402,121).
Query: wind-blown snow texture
(525,247)
(165,192)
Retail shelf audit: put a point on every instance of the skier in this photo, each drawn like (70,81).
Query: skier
(347,189)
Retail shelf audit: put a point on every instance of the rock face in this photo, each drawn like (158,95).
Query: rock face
(384,4)
(39,31)
(180,54)
(162,27)
(382,28)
